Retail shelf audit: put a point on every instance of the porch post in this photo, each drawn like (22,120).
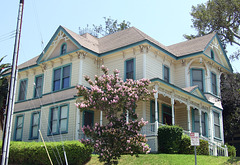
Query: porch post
(173,114)
(211,125)
(127,117)
(200,122)
(221,127)
(156,109)
(189,124)
(77,124)
(100,118)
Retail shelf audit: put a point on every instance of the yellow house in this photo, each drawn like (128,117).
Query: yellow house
(185,75)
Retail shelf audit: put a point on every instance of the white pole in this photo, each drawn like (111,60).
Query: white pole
(11,96)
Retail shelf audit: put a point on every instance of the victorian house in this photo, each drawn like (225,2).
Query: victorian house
(185,75)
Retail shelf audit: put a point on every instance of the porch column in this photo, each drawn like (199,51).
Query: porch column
(200,122)
(211,125)
(100,118)
(156,108)
(221,127)
(127,117)
(189,124)
(173,114)
(77,124)
(144,110)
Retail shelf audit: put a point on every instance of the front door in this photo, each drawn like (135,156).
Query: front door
(88,118)
(167,115)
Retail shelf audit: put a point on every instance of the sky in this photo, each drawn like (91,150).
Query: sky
(165,21)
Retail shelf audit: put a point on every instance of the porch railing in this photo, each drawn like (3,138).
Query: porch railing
(148,130)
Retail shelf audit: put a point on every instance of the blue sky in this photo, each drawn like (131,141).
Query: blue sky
(165,21)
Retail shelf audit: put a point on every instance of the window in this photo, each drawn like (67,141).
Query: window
(204,124)
(196,125)
(212,54)
(22,90)
(63,49)
(216,125)
(61,78)
(58,120)
(130,69)
(166,74)
(214,83)
(152,112)
(18,128)
(38,86)
(34,125)
(167,114)
(197,78)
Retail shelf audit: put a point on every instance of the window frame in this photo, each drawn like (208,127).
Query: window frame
(61,50)
(25,92)
(16,127)
(31,126)
(168,69)
(218,125)
(134,68)
(61,77)
(212,85)
(203,78)
(35,94)
(58,120)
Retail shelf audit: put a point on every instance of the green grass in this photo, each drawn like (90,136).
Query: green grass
(170,159)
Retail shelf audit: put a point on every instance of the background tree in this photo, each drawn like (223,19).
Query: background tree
(230,85)
(221,16)
(117,100)
(3,89)
(111,26)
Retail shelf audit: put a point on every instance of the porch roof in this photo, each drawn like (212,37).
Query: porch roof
(181,90)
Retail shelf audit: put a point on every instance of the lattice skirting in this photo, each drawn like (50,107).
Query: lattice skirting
(152,142)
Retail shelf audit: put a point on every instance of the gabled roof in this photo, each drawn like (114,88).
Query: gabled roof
(122,39)
(195,91)
(191,46)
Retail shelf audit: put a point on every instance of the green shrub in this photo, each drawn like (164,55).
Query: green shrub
(169,139)
(35,153)
(186,148)
(231,150)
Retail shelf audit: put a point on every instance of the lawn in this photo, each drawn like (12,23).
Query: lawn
(169,159)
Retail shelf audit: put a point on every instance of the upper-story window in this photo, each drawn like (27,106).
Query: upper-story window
(212,55)
(61,78)
(63,49)
(130,69)
(38,86)
(197,78)
(214,83)
(22,90)
(166,74)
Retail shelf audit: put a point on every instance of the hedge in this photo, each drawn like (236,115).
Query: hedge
(35,153)
(169,139)
(186,148)
(231,150)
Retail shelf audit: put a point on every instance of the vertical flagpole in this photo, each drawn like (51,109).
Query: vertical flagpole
(11,95)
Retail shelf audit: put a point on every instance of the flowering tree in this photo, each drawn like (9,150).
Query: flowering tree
(116,98)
